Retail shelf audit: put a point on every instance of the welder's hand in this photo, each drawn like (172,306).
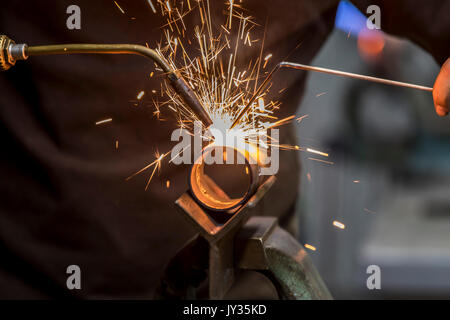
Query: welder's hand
(441,90)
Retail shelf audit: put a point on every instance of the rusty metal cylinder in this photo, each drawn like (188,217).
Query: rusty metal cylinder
(206,190)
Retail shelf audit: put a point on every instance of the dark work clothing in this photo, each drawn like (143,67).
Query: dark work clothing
(64,198)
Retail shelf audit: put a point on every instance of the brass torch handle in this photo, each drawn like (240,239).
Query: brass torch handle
(100,49)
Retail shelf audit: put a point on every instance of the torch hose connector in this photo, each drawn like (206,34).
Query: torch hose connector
(10,52)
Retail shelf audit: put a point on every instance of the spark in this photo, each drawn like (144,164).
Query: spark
(308,175)
(117,144)
(281,122)
(369,211)
(323,161)
(231,14)
(225,29)
(356,181)
(266,59)
(261,104)
(317,152)
(168,184)
(156,164)
(140,95)
(310,247)
(338,224)
(103,121)
(321,94)
(151,6)
(300,119)
(121,10)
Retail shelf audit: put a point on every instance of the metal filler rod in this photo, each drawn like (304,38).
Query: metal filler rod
(299,66)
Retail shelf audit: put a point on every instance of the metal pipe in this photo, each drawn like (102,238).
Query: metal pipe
(208,193)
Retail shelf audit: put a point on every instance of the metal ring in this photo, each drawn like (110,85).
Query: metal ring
(209,194)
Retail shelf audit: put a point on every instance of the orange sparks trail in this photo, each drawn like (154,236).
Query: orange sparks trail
(151,6)
(323,161)
(338,224)
(300,119)
(155,164)
(207,57)
(317,152)
(266,59)
(310,247)
(103,121)
(121,10)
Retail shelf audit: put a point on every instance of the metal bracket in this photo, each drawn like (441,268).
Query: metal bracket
(219,229)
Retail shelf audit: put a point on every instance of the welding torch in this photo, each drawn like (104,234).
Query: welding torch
(10,52)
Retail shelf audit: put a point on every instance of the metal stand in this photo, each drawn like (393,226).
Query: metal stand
(235,241)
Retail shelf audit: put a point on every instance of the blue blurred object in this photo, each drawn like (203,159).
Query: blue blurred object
(430,155)
(349,19)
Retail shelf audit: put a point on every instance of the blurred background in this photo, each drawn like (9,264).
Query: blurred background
(388,179)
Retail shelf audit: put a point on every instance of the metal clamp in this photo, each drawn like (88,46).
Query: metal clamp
(261,245)
(239,242)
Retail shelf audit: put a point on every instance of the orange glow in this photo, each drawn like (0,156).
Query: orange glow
(371,44)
